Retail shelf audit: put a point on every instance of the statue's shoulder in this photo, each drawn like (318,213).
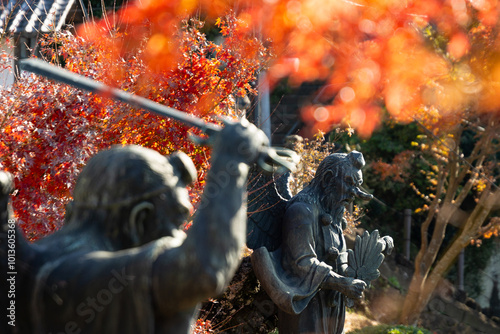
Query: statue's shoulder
(298,207)
(300,212)
(304,202)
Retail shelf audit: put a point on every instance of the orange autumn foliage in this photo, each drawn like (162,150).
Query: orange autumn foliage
(369,53)
(49,130)
(398,170)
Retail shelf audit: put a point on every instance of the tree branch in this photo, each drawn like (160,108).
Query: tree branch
(419,269)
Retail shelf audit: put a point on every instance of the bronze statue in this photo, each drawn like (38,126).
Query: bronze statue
(300,254)
(121,263)
(7,254)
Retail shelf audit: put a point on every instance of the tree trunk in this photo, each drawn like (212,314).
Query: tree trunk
(423,264)
(424,283)
(411,299)
(413,308)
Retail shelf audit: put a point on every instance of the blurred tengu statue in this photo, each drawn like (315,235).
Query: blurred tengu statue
(121,263)
(300,254)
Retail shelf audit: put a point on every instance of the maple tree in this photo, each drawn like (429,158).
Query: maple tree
(49,129)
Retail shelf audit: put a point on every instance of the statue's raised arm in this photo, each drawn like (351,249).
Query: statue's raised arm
(214,243)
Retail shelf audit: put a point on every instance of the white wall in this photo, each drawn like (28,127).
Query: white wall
(6,74)
(487,281)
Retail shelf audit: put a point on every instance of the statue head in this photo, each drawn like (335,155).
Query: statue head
(133,194)
(337,180)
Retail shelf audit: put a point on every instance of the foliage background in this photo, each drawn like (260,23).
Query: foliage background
(394,163)
(49,130)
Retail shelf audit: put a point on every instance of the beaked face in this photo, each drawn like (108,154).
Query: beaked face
(344,186)
(183,207)
(175,207)
(171,209)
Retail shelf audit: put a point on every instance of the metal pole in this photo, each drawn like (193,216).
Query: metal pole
(264,106)
(461,266)
(407,231)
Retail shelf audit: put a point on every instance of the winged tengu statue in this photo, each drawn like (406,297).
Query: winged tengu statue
(300,255)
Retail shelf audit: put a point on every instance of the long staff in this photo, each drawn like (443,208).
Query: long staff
(269,157)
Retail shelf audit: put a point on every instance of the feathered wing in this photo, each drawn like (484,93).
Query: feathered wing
(267,198)
(366,258)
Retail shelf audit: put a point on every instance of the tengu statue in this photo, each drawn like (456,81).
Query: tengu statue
(300,255)
(121,263)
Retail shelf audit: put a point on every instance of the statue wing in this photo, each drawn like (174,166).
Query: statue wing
(268,195)
(366,258)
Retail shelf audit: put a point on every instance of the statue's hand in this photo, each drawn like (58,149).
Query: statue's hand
(355,289)
(388,244)
(242,141)
(351,287)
